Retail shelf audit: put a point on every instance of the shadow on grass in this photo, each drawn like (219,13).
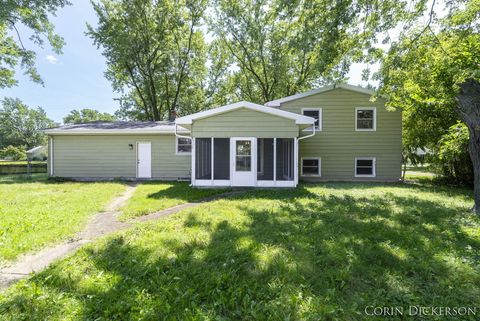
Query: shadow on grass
(294,255)
(182,191)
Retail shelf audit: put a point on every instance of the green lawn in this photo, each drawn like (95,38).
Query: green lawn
(150,197)
(37,212)
(319,252)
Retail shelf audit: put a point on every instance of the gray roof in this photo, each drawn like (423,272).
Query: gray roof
(116,127)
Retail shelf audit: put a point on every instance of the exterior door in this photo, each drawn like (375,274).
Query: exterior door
(243,158)
(144,160)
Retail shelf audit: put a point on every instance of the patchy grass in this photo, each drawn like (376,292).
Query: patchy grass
(320,252)
(35,212)
(151,197)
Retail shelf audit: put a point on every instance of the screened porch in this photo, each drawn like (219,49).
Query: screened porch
(244,161)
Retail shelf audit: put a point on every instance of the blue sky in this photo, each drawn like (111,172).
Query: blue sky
(75,79)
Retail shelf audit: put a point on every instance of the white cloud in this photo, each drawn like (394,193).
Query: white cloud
(52,59)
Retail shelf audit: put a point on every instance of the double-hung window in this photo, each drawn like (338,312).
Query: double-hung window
(365,119)
(184,146)
(311,166)
(315,113)
(365,167)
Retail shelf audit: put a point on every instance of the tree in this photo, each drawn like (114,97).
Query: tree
(155,54)
(87,115)
(21,125)
(33,15)
(433,74)
(284,47)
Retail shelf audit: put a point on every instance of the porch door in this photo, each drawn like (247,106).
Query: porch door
(144,160)
(243,158)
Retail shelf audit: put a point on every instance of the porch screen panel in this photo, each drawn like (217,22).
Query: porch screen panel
(265,159)
(203,158)
(221,158)
(285,159)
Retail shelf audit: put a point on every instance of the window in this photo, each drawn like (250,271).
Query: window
(243,156)
(365,167)
(314,113)
(311,166)
(184,146)
(365,119)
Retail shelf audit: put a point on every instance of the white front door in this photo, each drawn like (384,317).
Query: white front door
(244,160)
(144,160)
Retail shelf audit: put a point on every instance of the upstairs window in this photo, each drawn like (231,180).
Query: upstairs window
(314,113)
(365,118)
(365,167)
(184,146)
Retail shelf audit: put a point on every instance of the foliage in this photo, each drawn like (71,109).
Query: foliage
(33,16)
(155,54)
(319,252)
(35,213)
(280,48)
(421,74)
(21,125)
(86,115)
(453,160)
(151,197)
(14,153)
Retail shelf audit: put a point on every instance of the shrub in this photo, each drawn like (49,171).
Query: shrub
(13,153)
(452,159)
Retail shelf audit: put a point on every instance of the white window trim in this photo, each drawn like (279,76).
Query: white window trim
(320,118)
(374,119)
(374,164)
(176,147)
(319,166)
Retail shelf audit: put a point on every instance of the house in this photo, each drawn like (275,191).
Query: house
(335,133)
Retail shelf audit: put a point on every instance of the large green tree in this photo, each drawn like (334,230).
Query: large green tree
(86,115)
(284,47)
(155,54)
(17,16)
(433,74)
(21,125)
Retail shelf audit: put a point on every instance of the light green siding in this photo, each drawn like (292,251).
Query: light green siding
(338,143)
(244,122)
(109,156)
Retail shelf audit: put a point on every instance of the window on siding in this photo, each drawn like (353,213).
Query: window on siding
(184,145)
(314,113)
(365,167)
(311,166)
(365,119)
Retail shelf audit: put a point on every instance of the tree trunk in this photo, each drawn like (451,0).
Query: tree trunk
(469,109)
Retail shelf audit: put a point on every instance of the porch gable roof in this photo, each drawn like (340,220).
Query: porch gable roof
(299,119)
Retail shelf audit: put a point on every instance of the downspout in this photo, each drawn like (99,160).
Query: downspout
(308,136)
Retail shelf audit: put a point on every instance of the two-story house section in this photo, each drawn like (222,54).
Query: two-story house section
(355,138)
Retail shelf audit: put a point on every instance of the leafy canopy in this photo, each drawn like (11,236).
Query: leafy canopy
(284,47)
(33,16)
(21,125)
(155,54)
(87,115)
(421,74)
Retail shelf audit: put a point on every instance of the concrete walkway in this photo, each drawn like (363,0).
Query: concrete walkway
(101,224)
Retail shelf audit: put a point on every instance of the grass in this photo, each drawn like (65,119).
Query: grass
(150,197)
(319,252)
(37,212)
